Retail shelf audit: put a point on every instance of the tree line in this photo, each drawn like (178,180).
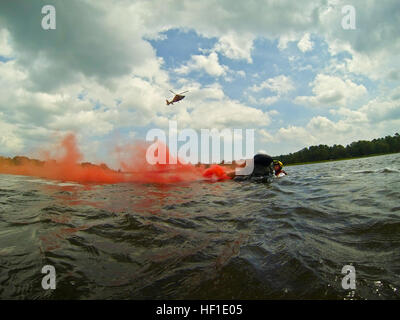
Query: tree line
(388,144)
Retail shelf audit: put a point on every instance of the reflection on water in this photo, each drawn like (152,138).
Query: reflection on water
(286,239)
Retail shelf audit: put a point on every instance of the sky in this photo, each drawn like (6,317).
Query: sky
(287,69)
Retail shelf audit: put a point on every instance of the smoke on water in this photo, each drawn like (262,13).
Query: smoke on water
(68,166)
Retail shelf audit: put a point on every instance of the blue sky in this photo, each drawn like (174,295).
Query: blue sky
(288,70)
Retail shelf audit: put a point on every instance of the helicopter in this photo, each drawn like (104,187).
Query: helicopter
(177,97)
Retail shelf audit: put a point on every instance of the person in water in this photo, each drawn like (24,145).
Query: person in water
(262,168)
(279,172)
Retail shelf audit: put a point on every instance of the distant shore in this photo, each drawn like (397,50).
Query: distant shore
(7,163)
(341,159)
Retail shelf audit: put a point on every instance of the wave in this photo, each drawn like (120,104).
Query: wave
(380,170)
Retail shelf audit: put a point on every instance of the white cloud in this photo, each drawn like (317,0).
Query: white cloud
(234,46)
(224,113)
(305,44)
(293,134)
(379,110)
(320,125)
(332,91)
(375,119)
(98,123)
(10,142)
(318,130)
(30,116)
(109,58)
(5,47)
(265,135)
(355,116)
(199,93)
(280,85)
(209,64)
(268,100)
(285,38)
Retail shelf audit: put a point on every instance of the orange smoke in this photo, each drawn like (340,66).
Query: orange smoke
(132,159)
(216,172)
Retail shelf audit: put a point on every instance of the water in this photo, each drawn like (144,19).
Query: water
(232,240)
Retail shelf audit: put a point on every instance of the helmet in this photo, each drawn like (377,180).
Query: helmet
(277,162)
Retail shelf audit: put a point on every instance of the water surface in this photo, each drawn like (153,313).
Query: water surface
(231,240)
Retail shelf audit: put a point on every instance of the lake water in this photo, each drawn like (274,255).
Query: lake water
(287,239)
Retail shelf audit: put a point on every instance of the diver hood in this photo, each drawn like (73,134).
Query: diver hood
(262,165)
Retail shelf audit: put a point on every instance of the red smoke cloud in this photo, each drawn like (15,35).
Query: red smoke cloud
(132,161)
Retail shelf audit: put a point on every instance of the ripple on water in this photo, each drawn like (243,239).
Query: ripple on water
(288,238)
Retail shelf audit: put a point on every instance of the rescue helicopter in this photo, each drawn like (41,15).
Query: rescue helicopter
(177,97)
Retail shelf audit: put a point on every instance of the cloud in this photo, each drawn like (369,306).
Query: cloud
(280,85)
(10,142)
(394,75)
(268,100)
(332,91)
(294,134)
(379,110)
(234,46)
(318,130)
(94,45)
(5,47)
(395,94)
(128,101)
(265,135)
(355,116)
(305,44)
(209,64)
(377,118)
(285,38)
(123,25)
(228,114)
(97,72)
(99,123)
(321,125)
(373,45)
(222,112)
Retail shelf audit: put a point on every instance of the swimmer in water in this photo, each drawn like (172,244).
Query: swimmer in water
(279,172)
(262,168)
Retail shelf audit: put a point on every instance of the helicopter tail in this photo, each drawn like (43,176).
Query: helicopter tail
(168,103)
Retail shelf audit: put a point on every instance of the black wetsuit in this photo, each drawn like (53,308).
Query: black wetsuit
(262,169)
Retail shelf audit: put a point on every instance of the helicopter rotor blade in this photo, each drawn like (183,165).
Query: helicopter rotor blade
(172,92)
(184,92)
